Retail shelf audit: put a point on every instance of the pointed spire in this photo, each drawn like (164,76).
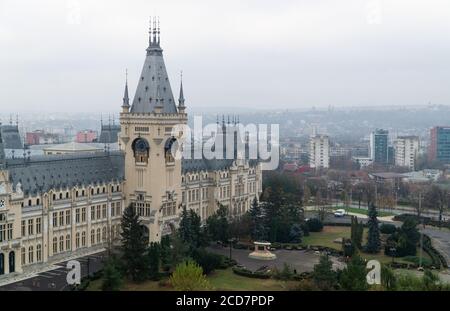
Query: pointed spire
(181,98)
(150,32)
(126,99)
(154,30)
(159,32)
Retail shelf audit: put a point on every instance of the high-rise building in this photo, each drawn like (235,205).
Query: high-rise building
(406,150)
(319,155)
(379,146)
(439,148)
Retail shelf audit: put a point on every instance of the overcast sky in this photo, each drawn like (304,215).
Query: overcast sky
(71,55)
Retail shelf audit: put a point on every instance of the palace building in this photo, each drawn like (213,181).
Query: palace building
(56,206)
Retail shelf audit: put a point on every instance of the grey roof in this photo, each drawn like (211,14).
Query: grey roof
(126,99)
(153,88)
(109,134)
(11,136)
(181,97)
(42,173)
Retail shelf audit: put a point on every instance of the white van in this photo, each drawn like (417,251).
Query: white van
(340,213)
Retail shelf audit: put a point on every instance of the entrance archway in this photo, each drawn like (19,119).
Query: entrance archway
(12,262)
(2,264)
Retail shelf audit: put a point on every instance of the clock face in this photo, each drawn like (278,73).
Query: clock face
(141,145)
(2,203)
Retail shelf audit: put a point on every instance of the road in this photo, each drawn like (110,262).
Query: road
(55,280)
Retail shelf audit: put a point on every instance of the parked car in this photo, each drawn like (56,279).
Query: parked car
(340,213)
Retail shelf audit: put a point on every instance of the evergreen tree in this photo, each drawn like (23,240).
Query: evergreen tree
(353,277)
(154,254)
(217,225)
(112,279)
(258,230)
(296,233)
(357,230)
(190,230)
(323,275)
(373,238)
(134,244)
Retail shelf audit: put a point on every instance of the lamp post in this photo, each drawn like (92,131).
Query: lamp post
(393,249)
(231,246)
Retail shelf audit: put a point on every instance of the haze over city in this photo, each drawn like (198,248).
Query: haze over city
(71,56)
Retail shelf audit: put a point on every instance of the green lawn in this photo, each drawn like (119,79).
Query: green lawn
(227,280)
(219,280)
(331,233)
(364,211)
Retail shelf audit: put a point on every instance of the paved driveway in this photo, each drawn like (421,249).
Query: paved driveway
(301,261)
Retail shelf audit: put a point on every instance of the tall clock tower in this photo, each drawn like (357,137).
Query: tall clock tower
(152,173)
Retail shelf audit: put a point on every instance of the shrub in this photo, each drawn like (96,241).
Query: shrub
(314,225)
(416,260)
(387,228)
(189,276)
(207,260)
(250,274)
(285,274)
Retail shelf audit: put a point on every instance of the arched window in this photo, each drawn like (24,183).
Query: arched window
(38,253)
(61,243)
(98,235)
(83,239)
(2,264)
(92,237)
(22,255)
(55,245)
(170,147)
(104,234)
(77,240)
(141,150)
(12,262)
(68,246)
(30,254)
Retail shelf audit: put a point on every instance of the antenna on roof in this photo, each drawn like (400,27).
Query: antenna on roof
(10,119)
(17,119)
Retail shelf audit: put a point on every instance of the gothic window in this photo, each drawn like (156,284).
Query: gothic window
(68,242)
(38,253)
(92,237)
(141,150)
(61,243)
(171,144)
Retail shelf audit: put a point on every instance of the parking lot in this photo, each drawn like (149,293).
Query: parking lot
(56,279)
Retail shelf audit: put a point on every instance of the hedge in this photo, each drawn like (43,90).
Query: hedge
(436,257)
(426,220)
(250,274)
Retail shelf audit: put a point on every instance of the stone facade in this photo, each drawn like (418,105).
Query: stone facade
(56,206)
